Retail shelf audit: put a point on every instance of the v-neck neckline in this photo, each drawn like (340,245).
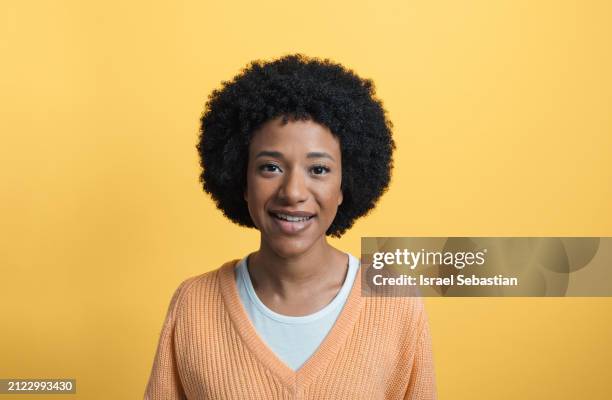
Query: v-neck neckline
(326,350)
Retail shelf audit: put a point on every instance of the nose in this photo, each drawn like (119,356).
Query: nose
(293,189)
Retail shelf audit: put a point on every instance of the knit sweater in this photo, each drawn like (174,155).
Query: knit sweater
(379,348)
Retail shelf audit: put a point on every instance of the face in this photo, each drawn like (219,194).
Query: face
(293,184)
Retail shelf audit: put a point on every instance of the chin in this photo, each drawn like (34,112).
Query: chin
(287,247)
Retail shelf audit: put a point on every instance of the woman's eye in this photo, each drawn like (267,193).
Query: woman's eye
(320,170)
(269,168)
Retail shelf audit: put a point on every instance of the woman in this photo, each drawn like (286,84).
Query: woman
(298,148)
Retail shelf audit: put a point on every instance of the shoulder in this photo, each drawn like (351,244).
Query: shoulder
(401,322)
(402,305)
(206,284)
(405,311)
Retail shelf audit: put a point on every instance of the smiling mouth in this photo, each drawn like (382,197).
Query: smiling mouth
(290,218)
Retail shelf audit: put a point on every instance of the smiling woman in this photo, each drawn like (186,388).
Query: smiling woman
(297,148)
(293,184)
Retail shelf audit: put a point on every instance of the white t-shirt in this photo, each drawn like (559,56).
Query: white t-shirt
(293,339)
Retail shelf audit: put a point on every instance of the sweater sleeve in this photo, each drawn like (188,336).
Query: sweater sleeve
(422,384)
(164,381)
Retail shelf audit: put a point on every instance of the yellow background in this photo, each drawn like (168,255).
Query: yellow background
(502,114)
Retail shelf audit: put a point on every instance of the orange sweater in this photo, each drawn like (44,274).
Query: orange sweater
(379,348)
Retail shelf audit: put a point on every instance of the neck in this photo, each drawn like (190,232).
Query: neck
(321,264)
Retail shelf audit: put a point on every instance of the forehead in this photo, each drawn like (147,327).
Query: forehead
(300,136)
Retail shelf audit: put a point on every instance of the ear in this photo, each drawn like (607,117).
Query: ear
(244,194)
(340,198)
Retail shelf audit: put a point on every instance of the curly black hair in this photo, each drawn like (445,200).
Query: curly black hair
(296,87)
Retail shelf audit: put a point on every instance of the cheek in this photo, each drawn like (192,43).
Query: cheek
(257,194)
(253,200)
(331,199)
(255,209)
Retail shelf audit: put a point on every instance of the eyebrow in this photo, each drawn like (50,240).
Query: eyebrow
(278,154)
(319,154)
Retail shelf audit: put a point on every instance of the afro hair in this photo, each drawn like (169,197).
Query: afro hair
(296,87)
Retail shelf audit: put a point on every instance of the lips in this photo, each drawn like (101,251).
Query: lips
(291,218)
(291,215)
(292,222)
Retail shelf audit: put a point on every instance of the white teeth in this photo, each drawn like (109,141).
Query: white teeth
(292,219)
